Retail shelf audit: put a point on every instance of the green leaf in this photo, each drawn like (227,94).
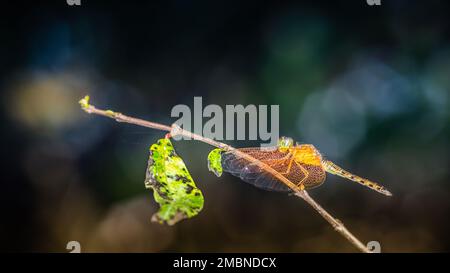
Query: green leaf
(215,161)
(173,187)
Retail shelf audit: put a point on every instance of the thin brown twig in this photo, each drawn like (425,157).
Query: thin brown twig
(335,223)
(176,130)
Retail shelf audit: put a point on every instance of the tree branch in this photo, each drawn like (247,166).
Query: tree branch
(176,130)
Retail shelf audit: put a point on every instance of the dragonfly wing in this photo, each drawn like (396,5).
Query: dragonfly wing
(252,173)
(268,182)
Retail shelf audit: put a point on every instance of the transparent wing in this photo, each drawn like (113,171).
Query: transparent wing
(252,173)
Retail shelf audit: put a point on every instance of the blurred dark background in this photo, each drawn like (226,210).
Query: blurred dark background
(367,85)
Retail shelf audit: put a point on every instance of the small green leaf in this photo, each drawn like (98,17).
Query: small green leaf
(215,161)
(173,187)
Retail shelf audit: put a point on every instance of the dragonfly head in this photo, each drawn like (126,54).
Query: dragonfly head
(285,143)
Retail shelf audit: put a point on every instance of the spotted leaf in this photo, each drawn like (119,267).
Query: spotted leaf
(173,187)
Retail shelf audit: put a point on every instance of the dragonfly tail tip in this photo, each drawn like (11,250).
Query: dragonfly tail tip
(386,192)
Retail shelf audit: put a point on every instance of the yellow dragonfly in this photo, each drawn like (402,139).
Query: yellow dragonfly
(302,164)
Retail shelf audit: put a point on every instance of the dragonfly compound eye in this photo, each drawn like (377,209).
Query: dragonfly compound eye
(285,142)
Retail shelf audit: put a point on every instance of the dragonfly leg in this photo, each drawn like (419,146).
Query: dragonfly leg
(305,172)
(290,162)
(288,168)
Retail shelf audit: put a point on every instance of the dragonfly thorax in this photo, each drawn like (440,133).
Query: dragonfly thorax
(306,154)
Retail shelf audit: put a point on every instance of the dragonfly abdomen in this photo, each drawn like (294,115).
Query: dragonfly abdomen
(334,169)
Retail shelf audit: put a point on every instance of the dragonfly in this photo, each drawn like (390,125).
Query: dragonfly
(302,164)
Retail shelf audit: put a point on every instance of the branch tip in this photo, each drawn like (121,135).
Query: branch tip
(84,102)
